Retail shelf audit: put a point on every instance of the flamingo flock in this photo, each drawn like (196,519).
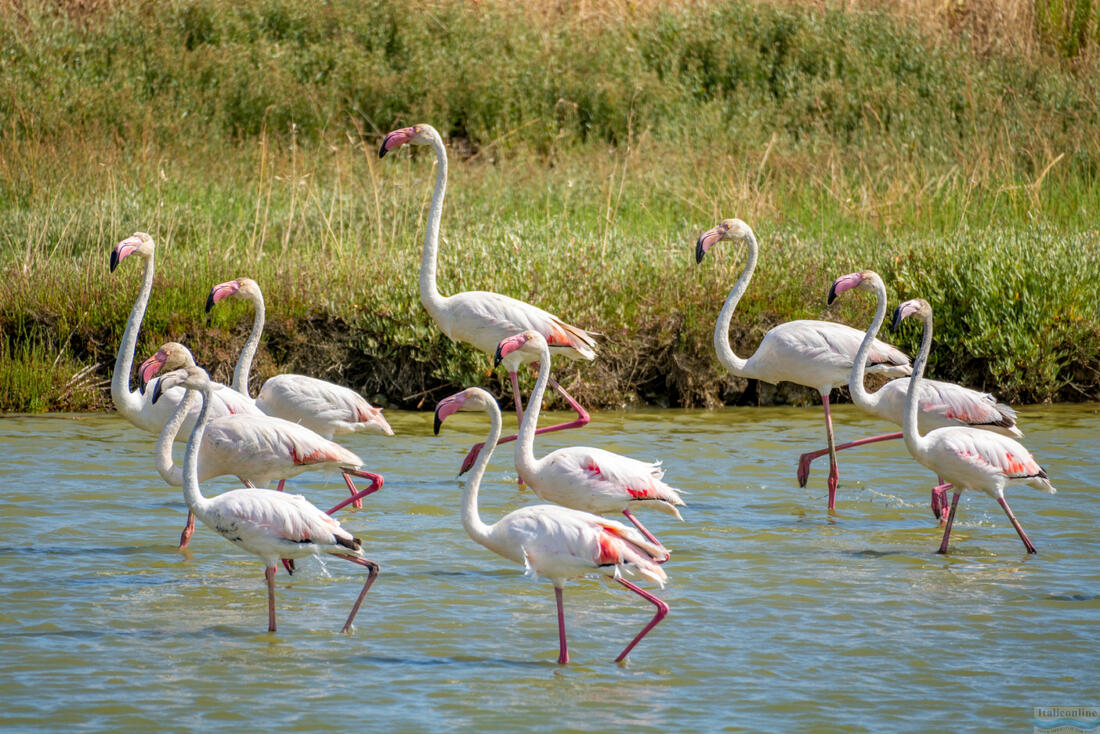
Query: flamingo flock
(965,437)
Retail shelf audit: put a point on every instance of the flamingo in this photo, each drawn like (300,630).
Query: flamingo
(173,355)
(817,354)
(481,318)
(580,477)
(135,405)
(257,450)
(964,457)
(321,406)
(264,522)
(941,404)
(552,541)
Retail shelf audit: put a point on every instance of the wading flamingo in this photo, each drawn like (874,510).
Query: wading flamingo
(481,318)
(258,450)
(135,406)
(964,457)
(940,405)
(552,541)
(264,522)
(580,477)
(817,354)
(321,406)
(173,355)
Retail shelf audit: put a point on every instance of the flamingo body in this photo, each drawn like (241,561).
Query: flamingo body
(945,405)
(319,405)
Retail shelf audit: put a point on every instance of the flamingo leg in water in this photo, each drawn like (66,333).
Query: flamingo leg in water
(582,420)
(642,529)
(269,574)
(282,483)
(834,472)
(376,482)
(373,569)
(806,458)
(1016,524)
(939,500)
(950,521)
(563,649)
(662,610)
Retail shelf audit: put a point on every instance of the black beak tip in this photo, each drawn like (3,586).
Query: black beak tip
(497,358)
(438,423)
(156,392)
(382,150)
(142,386)
(210,302)
(699,251)
(896,320)
(832,295)
(114,260)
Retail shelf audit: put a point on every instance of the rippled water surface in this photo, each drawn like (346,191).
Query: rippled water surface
(783,616)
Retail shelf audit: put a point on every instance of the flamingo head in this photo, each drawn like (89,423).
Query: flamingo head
(417,135)
(170,356)
(863,280)
(190,378)
(374,420)
(529,344)
(472,398)
(727,229)
(917,306)
(241,288)
(138,242)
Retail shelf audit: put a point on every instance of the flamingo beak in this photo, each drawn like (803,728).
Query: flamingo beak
(149,369)
(220,291)
(448,407)
(707,240)
(123,249)
(898,316)
(507,346)
(396,139)
(841,284)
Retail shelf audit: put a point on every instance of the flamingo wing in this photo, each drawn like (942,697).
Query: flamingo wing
(259,518)
(985,455)
(952,404)
(612,480)
(275,441)
(322,406)
(483,319)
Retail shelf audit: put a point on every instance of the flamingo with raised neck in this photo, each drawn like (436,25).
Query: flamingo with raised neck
(553,541)
(483,318)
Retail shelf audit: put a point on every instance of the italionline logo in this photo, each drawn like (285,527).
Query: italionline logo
(1068,719)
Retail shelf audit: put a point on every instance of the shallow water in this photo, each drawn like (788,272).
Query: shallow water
(783,616)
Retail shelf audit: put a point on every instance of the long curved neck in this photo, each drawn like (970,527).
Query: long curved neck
(192,493)
(913,440)
(471,520)
(429,292)
(722,346)
(248,351)
(126,401)
(860,396)
(167,469)
(526,463)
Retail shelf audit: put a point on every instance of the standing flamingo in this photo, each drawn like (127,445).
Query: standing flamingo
(941,404)
(552,541)
(321,406)
(816,354)
(173,355)
(580,477)
(264,522)
(481,318)
(257,450)
(135,406)
(964,457)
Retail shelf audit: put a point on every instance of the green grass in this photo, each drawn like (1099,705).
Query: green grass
(243,136)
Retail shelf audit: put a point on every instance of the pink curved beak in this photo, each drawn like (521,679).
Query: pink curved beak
(843,283)
(448,407)
(396,139)
(707,240)
(220,291)
(124,249)
(150,367)
(904,311)
(507,346)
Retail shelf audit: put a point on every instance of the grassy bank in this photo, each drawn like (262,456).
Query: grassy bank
(243,137)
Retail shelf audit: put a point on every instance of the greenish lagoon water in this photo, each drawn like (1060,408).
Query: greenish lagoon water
(783,617)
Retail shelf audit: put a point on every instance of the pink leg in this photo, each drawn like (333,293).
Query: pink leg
(582,420)
(834,472)
(563,650)
(662,610)
(282,483)
(374,569)
(1016,524)
(641,528)
(939,500)
(950,522)
(376,482)
(188,530)
(809,456)
(269,574)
